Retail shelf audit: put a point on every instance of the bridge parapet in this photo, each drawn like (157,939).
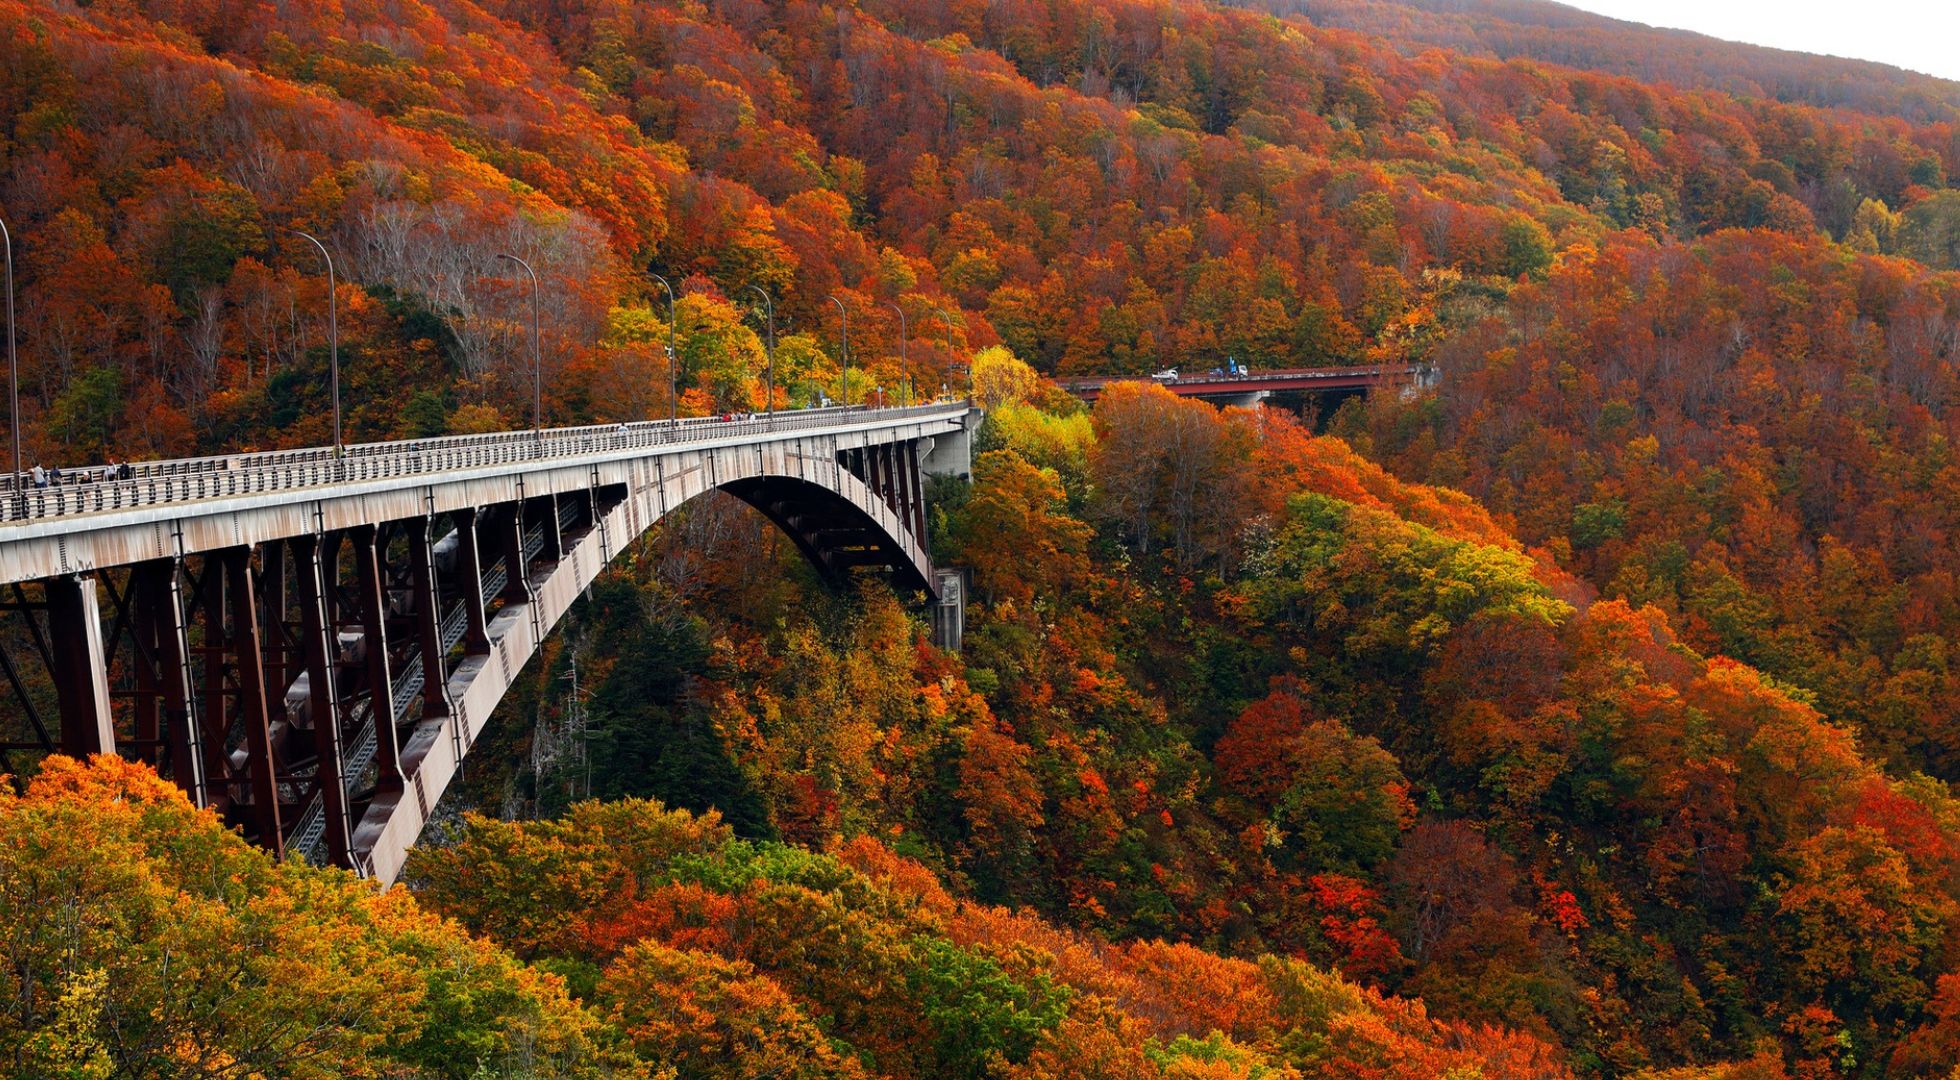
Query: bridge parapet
(88,491)
(195,505)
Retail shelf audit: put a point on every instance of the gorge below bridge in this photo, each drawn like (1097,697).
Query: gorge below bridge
(310,642)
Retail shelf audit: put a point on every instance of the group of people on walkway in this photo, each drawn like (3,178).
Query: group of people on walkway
(41,478)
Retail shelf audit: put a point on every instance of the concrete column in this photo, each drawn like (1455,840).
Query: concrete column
(952,453)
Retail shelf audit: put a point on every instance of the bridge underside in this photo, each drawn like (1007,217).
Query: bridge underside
(321,689)
(838,536)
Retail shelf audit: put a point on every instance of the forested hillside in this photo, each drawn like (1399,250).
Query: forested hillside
(1101,186)
(142,939)
(1557,33)
(1588,713)
(1227,683)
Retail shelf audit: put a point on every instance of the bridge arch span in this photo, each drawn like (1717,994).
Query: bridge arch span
(839,529)
(834,517)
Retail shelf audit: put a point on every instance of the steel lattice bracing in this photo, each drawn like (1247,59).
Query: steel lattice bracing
(310,646)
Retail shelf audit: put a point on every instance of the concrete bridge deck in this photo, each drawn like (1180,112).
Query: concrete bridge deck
(84,522)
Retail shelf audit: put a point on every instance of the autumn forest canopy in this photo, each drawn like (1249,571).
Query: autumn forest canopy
(1586,711)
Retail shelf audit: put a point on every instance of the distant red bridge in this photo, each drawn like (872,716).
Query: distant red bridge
(1256,384)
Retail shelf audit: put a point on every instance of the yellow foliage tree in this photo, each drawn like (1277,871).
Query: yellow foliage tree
(143,938)
(717,1019)
(1001,378)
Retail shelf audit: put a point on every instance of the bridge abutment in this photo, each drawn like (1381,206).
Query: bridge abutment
(951,454)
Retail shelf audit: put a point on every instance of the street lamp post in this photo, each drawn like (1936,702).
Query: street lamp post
(13,365)
(902,361)
(946,320)
(769,344)
(333,337)
(844,314)
(537,352)
(673,357)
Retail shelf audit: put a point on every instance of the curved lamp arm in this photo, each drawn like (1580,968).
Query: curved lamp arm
(537,352)
(333,335)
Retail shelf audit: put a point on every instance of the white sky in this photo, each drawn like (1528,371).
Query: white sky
(1920,35)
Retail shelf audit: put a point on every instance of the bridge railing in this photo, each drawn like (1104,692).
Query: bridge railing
(1242,379)
(100,490)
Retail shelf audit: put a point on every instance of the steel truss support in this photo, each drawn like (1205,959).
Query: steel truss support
(427,600)
(542,512)
(507,523)
(278,647)
(168,711)
(915,496)
(469,581)
(370,598)
(214,734)
(24,698)
(247,650)
(322,696)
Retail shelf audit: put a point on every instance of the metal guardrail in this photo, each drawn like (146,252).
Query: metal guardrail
(196,479)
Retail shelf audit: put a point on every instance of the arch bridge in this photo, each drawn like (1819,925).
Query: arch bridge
(309,643)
